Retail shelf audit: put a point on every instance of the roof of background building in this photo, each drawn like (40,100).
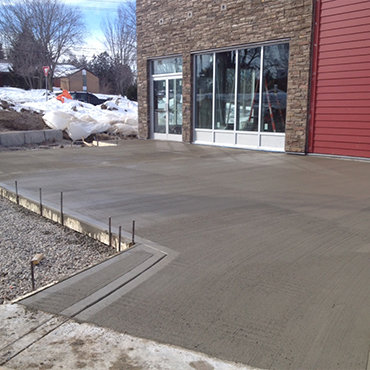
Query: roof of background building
(64,70)
(4,66)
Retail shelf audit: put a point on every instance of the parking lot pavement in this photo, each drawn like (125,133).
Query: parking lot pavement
(273,250)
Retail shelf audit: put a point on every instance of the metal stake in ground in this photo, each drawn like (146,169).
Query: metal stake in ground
(110,231)
(32,275)
(119,238)
(61,209)
(133,232)
(40,201)
(35,261)
(16,192)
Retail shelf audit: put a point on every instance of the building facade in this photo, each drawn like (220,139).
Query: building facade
(229,73)
(70,78)
(340,104)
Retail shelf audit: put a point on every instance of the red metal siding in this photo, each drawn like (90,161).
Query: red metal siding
(340,111)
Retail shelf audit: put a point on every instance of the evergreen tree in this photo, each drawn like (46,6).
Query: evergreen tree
(26,58)
(102,66)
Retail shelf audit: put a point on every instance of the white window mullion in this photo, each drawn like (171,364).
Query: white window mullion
(214,97)
(236,92)
(260,100)
(167,107)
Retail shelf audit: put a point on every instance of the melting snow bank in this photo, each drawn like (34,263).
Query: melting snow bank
(41,340)
(117,115)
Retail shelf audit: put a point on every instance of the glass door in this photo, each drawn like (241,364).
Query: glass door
(167,108)
(175,106)
(160,106)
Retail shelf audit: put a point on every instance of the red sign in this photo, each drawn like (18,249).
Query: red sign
(46,70)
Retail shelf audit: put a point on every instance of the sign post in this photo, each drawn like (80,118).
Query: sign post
(46,72)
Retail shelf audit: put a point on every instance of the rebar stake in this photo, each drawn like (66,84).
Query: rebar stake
(40,201)
(32,276)
(133,232)
(61,209)
(16,192)
(119,238)
(110,231)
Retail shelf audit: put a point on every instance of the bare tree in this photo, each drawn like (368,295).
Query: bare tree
(120,40)
(56,27)
(120,35)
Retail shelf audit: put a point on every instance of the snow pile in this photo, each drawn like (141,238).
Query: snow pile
(78,119)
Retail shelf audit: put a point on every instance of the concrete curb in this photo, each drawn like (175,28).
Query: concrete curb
(20,138)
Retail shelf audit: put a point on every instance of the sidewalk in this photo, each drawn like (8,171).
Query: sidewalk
(33,339)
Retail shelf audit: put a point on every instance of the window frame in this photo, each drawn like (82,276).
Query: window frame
(212,132)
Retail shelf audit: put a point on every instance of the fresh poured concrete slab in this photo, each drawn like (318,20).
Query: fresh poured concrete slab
(273,250)
(82,290)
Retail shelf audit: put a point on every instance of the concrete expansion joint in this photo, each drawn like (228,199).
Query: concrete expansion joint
(28,339)
(91,303)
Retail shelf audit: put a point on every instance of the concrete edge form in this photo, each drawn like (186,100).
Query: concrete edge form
(20,138)
(96,230)
(79,224)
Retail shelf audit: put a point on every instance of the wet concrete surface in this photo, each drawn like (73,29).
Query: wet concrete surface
(273,250)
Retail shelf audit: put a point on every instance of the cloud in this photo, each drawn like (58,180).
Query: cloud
(94,4)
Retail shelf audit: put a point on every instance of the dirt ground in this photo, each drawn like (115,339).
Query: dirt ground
(20,121)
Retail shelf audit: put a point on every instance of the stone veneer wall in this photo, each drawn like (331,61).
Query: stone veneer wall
(171,27)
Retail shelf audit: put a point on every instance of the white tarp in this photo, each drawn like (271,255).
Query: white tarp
(78,119)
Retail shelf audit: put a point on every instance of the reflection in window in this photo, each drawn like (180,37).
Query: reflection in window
(220,108)
(167,65)
(175,106)
(204,90)
(248,89)
(160,101)
(225,91)
(275,75)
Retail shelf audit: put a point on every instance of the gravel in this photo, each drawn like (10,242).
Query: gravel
(24,234)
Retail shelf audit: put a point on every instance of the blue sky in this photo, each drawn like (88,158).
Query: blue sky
(95,12)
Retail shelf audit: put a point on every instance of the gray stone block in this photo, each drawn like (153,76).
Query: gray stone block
(53,135)
(34,137)
(12,139)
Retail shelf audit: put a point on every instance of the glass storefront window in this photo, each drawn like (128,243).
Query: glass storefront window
(275,86)
(225,91)
(216,94)
(167,65)
(248,89)
(204,90)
